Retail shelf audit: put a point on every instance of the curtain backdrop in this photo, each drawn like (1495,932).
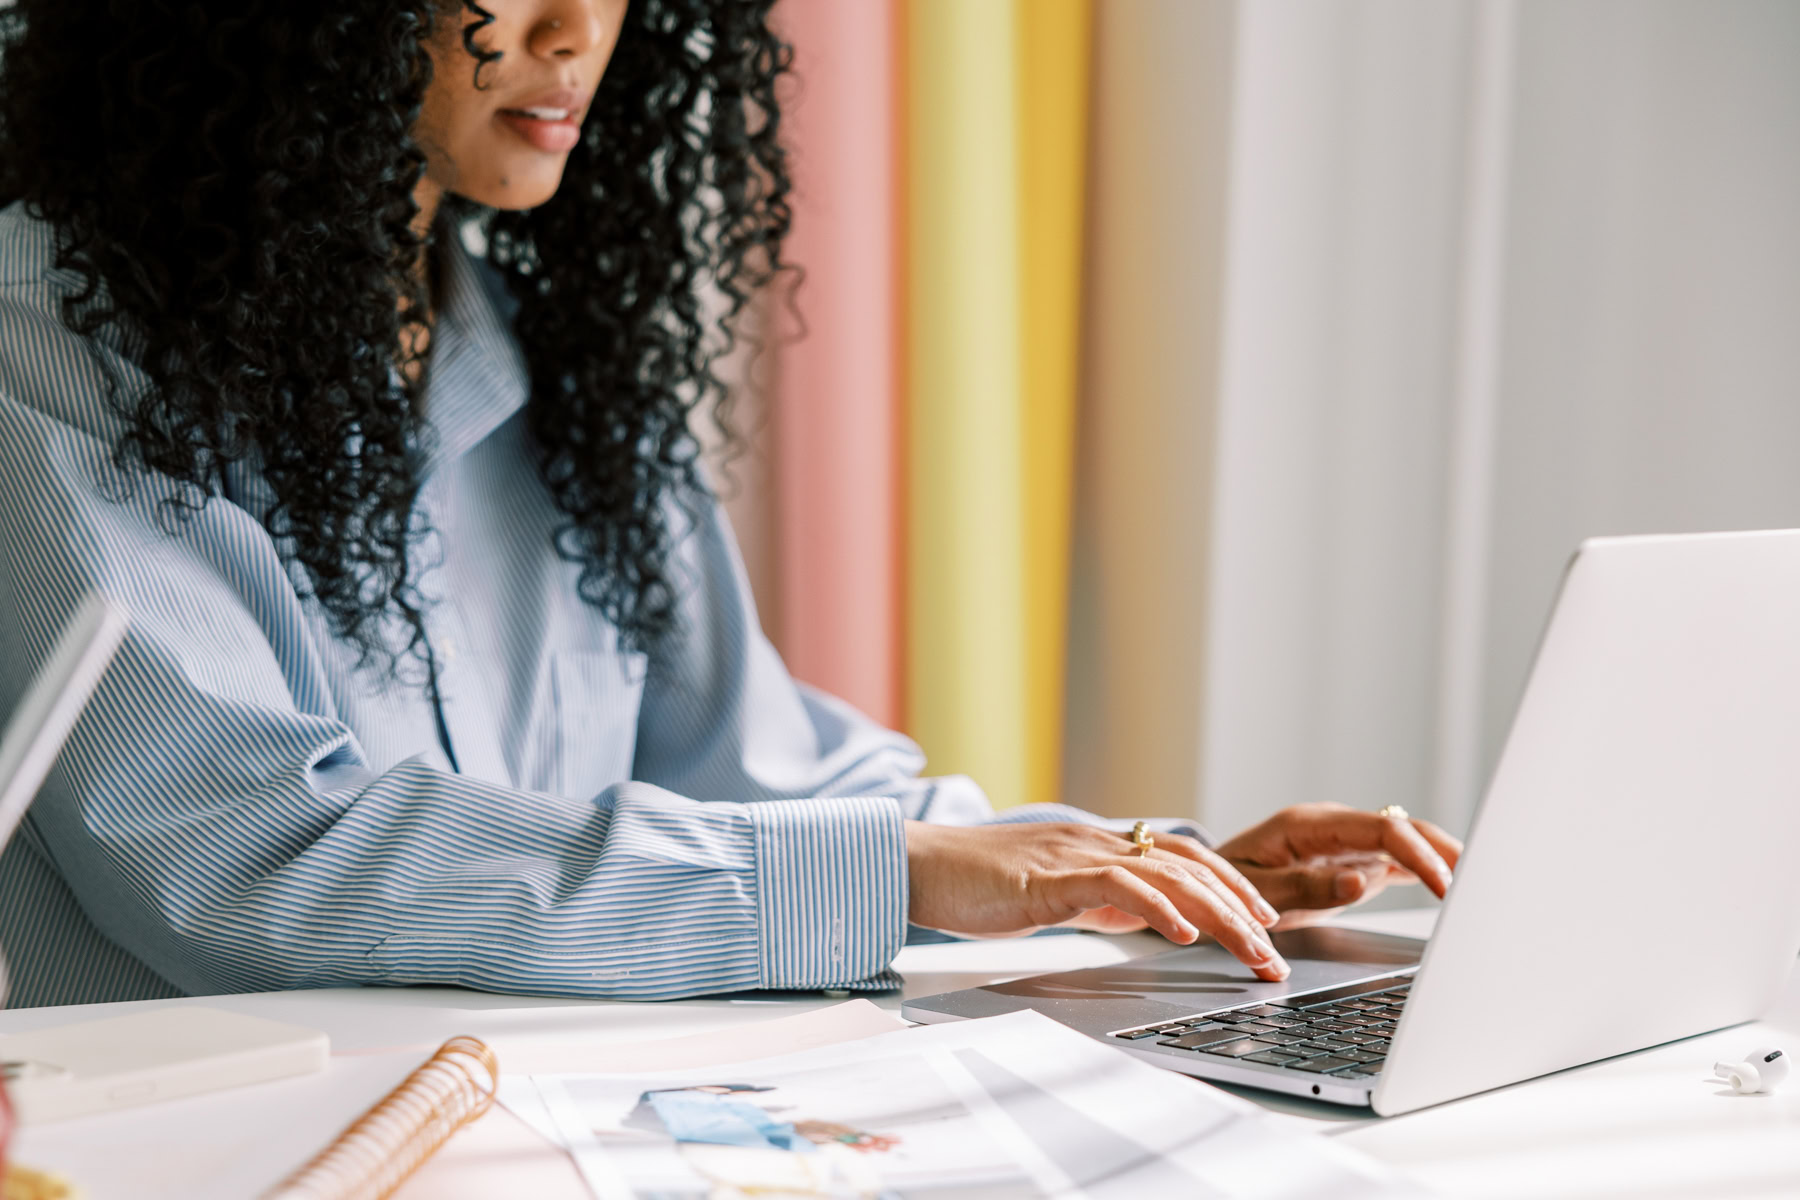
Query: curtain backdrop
(965,501)
(1381,306)
(996,117)
(836,419)
(920,435)
(1052,43)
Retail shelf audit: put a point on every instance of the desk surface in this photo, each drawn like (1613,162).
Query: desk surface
(1647,1125)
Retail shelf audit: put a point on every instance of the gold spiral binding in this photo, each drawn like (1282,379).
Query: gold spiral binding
(384,1146)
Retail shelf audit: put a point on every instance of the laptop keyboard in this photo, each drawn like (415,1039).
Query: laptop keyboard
(1343,1032)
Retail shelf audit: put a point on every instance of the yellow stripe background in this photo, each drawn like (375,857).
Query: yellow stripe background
(965,569)
(996,116)
(1053,39)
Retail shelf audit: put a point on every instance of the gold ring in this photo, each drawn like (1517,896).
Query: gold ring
(1141,837)
(1393,810)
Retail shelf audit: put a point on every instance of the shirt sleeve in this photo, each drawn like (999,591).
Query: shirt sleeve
(212,816)
(723,720)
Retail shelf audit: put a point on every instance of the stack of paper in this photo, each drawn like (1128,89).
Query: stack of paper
(1011,1106)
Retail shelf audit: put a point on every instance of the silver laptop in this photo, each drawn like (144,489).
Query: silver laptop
(1630,879)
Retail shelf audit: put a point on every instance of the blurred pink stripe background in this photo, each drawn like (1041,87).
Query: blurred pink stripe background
(836,423)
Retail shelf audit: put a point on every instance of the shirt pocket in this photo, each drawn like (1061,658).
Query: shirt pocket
(596,698)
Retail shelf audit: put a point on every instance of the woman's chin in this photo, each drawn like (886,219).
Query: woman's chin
(513,191)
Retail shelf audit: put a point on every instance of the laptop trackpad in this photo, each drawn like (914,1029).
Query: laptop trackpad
(1189,980)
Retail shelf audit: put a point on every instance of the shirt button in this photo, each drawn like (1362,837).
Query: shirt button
(448,648)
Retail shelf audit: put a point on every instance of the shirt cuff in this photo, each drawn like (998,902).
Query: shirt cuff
(830,890)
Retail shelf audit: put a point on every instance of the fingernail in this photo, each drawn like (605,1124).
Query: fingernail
(1269,915)
(1349,885)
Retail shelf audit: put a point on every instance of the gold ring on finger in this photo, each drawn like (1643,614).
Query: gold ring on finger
(1142,838)
(1394,811)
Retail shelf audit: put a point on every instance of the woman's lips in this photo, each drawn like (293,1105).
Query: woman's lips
(552,130)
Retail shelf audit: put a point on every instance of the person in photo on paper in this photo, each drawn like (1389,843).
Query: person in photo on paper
(740,1147)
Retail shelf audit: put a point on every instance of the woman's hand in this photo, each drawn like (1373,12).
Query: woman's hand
(1314,859)
(1012,879)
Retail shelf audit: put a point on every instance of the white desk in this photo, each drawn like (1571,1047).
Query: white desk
(1645,1125)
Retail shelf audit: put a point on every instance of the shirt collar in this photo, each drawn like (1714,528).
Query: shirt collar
(477,376)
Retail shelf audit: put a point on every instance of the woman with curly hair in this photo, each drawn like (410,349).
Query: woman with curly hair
(354,349)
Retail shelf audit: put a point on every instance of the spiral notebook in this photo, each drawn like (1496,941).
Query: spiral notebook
(384,1146)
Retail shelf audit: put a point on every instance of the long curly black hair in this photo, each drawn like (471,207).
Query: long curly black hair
(233,180)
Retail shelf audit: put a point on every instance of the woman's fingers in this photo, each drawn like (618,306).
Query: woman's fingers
(1338,829)
(1082,891)
(1213,909)
(1188,855)
(1448,848)
(1402,839)
(1171,901)
(1205,878)
(1227,876)
(1233,903)
(1200,897)
(1320,886)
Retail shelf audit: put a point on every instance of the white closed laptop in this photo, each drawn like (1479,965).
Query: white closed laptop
(92,1066)
(1629,879)
(48,710)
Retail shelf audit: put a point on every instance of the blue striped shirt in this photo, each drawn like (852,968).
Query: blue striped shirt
(241,808)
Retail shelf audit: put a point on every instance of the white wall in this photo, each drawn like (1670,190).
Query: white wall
(1650,366)
(1342,252)
(1498,276)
